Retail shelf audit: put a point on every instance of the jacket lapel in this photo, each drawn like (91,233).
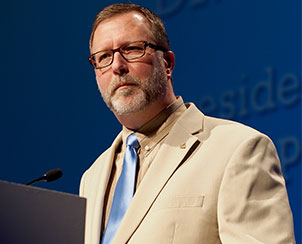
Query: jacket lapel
(171,154)
(100,180)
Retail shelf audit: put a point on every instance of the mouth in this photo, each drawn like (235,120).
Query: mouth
(123,85)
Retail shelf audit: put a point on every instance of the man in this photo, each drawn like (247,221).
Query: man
(195,179)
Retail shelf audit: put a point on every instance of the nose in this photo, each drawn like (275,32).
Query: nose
(119,64)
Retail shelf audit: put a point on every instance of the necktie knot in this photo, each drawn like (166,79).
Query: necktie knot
(132,141)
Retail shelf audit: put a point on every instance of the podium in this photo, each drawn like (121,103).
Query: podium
(32,215)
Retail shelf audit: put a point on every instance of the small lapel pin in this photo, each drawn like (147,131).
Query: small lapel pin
(182,146)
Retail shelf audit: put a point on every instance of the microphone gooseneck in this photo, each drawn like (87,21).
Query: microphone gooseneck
(51,175)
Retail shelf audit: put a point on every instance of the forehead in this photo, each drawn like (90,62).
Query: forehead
(120,29)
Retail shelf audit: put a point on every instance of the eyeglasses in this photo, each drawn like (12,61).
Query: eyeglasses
(129,51)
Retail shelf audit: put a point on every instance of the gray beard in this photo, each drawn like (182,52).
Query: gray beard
(143,93)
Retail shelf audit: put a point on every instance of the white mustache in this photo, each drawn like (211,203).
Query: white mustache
(123,79)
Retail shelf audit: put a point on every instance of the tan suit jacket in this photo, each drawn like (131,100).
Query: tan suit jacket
(213,181)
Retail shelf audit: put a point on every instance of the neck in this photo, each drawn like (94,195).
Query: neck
(136,120)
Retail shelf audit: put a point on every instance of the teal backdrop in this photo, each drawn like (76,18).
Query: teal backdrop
(235,59)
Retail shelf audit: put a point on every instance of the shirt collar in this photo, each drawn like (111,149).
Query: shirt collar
(155,125)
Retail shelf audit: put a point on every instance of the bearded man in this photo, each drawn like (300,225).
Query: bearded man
(173,175)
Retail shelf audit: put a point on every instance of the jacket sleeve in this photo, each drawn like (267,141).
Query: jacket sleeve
(253,206)
(82,185)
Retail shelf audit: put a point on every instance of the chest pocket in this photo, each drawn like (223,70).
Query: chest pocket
(178,202)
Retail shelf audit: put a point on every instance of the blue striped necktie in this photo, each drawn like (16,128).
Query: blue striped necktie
(124,189)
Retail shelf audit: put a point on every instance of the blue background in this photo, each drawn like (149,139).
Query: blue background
(234,59)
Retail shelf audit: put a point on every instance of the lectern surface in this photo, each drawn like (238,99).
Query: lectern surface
(32,215)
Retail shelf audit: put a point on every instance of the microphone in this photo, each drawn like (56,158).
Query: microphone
(51,175)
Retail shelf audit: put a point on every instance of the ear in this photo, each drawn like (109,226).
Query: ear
(169,60)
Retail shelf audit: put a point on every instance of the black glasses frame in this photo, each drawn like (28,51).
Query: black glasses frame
(146,44)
